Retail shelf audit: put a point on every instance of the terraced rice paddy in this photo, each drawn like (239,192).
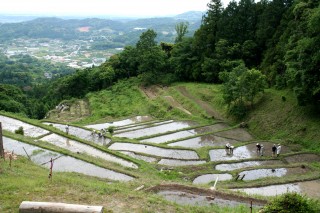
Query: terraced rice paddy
(167,145)
(62,163)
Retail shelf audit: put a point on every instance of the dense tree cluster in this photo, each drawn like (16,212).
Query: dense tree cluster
(246,45)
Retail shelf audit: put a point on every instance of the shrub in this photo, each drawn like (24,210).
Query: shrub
(291,202)
(19,131)
(111,129)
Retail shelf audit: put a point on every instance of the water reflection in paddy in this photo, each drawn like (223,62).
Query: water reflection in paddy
(308,188)
(11,124)
(205,140)
(82,133)
(172,162)
(128,121)
(131,128)
(262,173)
(155,151)
(185,133)
(273,190)
(156,129)
(241,152)
(78,147)
(207,178)
(184,198)
(62,163)
(234,166)
(140,157)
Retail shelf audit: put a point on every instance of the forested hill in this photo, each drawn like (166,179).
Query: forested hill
(247,46)
(57,28)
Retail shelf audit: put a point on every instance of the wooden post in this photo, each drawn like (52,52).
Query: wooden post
(1,143)
(46,207)
(51,166)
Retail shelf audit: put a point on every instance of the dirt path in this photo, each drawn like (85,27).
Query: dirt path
(211,112)
(154,91)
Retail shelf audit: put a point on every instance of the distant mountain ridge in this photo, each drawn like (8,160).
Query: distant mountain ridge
(66,29)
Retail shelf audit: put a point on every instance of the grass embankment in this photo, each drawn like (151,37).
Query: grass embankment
(275,116)
(26,181)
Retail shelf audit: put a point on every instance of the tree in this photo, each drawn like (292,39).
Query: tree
(147,40)
(241,85)
(181,30)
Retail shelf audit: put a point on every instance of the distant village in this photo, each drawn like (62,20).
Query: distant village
(77,54)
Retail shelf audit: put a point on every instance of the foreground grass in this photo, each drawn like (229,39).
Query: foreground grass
(26,181)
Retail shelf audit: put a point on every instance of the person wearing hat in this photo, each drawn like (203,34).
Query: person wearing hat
(258,148)
(278,150)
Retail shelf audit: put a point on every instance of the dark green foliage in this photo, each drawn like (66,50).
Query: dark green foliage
(111,129)
(292,202)
(241,86)
(181,30)
(19,131)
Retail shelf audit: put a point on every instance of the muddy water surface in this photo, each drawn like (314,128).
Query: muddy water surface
(156,129)
(205,140)
(82,133)
(262,173)
(239,153)
(204,179)
(78,147)
(136,127)
(140,157)
(128,121)
(234,166)
(184,198)
(155,151)
(62,163)
(11,124)
(171,162)
(308,188)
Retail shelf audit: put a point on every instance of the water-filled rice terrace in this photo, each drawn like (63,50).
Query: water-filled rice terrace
(196,151)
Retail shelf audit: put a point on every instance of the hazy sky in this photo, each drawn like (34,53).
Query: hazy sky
(104,7)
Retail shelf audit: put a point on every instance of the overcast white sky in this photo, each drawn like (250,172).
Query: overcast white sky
(140,8)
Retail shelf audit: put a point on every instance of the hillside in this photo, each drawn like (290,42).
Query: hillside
(154,144)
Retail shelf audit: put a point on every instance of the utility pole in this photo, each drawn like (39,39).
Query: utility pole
(1,142)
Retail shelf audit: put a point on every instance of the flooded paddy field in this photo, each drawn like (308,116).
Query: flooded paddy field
(125,122)
(155,151)
(172,162)
(207,178)
(139,126)
(244,152)
(61,163)
(239,153)
(308,188)
(275,172)
(235,166)
(186,133)
(176,125)
(78,147)
(11,124)
(205,140)
(185,195)
(82,133)
(140,157)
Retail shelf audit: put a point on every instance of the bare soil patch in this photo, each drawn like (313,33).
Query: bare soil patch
(209,110)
